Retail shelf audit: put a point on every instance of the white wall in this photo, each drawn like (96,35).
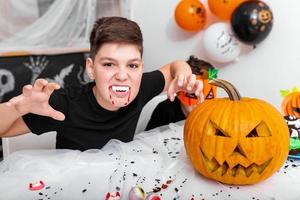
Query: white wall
(259,73)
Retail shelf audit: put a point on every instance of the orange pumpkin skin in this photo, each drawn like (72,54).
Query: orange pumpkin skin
(209,92)
(291,104)
(236,142)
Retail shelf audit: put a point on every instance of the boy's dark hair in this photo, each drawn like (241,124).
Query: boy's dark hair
(114,29)
(197,64)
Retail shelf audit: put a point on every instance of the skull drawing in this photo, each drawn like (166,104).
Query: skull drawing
(7,82)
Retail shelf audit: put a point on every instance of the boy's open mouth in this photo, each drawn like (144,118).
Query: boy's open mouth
(119,91)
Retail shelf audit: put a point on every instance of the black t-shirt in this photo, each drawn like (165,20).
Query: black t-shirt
(165,113)
(87,125)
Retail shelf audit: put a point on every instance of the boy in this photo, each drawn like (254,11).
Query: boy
(89,116)
(173,111)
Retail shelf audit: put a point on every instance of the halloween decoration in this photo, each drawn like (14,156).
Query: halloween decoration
(7,82)
(294,128)
(136,193)
(209,91)
(291,102)
(252,21)
(36,186)
(220,44)
(113,196)
(223,9)
(236,140)
(190,15)
(153,197)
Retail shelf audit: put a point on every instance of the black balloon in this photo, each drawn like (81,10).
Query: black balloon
(252,21)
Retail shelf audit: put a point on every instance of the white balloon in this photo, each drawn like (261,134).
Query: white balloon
(220,44)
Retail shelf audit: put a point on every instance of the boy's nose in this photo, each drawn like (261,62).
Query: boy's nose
(121,75)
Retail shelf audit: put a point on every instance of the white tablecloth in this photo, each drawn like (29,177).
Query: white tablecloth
(155,161)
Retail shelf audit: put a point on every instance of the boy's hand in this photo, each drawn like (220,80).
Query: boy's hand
(186,83)
(35,99)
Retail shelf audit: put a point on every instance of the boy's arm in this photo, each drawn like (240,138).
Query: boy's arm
(178,76)
(11,123)
(34,99)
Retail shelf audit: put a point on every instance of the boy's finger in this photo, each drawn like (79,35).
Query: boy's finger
(198,87)
(56,115)
(50,87)
(39,84)
(27,90)
(180,80)
(191,82)
(171,96)
(170,92)
(201,96)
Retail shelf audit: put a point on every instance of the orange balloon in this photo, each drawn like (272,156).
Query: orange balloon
(190,15)
(223,9)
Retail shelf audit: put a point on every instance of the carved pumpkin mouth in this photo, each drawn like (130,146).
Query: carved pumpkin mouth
(191,95)
(221,169)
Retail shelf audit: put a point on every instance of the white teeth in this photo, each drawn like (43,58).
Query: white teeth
(120,88)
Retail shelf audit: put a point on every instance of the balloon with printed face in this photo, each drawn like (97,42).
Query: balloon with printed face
(252,21)
(220,44)
(190,15)
(223,9)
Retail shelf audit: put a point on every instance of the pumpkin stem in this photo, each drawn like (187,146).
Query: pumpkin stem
(232,92)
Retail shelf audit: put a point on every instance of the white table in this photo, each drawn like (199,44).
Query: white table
(155,161)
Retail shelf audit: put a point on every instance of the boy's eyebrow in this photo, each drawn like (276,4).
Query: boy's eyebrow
(135,59)
(107,58)
(112,59)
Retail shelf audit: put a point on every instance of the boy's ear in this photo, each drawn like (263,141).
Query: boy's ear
(89,65)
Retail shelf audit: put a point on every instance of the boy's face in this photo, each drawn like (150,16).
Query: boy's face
(117,70)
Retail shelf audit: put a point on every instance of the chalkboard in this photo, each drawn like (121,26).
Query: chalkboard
(17,71)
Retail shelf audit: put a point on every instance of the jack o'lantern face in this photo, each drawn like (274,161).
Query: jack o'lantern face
(239,158)
(265,16)
(236,141)
(209,92)
(291,104)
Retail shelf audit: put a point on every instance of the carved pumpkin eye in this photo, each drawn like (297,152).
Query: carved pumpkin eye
(220,133)
(253,133)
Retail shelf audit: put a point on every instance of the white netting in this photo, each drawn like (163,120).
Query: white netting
(65,23)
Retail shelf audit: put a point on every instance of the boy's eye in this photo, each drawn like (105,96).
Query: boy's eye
(108,64)
(133,66)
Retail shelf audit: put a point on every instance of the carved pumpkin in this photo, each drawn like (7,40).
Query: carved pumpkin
(189,99)
(291,104)
(236,140)
(209,91)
